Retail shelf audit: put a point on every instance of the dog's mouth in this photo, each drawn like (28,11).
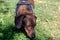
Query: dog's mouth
(30,32)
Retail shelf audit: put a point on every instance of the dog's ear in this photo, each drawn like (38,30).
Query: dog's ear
(19,21)
(35,17)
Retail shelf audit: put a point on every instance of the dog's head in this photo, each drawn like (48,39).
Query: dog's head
(30,22)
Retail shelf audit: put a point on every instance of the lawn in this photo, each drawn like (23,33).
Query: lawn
(48,20)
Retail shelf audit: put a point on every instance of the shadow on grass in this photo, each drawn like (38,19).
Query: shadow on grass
(9,32)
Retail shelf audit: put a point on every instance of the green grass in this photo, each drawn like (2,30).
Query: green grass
(48,21)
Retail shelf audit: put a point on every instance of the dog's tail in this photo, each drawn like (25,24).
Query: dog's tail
(19,21)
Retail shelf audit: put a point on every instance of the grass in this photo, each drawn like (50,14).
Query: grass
(48,21)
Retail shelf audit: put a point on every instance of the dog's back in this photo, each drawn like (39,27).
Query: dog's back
(24,6)
(22,9)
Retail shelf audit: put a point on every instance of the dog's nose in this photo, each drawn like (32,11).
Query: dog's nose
(33,36)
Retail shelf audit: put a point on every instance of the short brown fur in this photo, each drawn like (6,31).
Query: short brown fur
(27,19)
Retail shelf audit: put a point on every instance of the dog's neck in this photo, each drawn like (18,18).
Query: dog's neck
(23,0)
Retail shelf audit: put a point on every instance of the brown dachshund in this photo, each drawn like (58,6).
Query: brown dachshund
(25,17)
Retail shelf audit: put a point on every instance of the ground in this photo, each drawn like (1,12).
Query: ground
(48,21)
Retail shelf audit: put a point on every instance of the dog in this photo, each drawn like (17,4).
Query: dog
(25,17)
